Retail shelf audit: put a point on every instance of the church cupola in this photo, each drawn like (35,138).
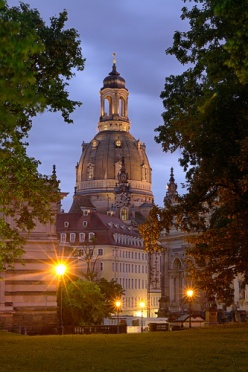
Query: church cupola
(114,102)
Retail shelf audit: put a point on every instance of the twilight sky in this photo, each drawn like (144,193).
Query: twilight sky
(139,31)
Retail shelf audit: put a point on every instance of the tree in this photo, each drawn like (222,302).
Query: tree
(151,229)
(36,62)
(89,259)
(205,117)
(83,303)
(112,291)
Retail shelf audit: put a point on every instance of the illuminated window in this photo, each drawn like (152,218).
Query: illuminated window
(124,214)
(90,171)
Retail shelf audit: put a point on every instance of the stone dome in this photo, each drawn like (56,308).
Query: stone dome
(113,154)
(101,161)
(114,80)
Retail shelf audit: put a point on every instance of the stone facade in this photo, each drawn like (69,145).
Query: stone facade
(173,277)
(28,302)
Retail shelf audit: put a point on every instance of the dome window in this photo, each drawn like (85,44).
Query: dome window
(90,172)
(94,143)
(118,142)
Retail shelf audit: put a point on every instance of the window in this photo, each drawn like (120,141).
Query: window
(91,252)
(100,252)
(124,214)
(85,223)
(101,266)
(72,237)
(90,171)
(66,224)
(85,213)
(63,237)
(80,253)
(81,237)
(91,236)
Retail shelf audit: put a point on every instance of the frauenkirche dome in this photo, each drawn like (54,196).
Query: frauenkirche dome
(114,160)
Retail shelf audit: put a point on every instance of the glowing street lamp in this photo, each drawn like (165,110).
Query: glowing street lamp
(142,305)
(60,271)
(118,305)
(190,294)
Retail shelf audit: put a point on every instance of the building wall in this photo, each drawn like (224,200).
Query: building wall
(28,301)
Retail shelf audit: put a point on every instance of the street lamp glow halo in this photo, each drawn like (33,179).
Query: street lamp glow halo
(190,293)
(60,269)
(142,304)
(118,304)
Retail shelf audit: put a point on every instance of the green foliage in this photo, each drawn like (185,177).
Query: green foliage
(206,117)
(36,62)
(112,291)
(83,303)
(87,302)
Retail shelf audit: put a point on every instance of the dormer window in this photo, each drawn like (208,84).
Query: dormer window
(85,223)
(63,237)
(91,236)
(72,237)
(81,237)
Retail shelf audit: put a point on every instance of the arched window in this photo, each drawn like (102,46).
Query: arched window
(121,107)
(107,108)
(124,214)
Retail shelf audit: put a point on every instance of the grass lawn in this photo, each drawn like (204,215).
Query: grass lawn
(220,348)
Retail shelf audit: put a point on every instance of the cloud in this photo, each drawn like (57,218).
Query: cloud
(139,31)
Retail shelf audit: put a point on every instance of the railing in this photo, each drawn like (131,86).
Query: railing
(106,329)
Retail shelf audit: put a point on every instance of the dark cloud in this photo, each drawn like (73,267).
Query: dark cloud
(139,31)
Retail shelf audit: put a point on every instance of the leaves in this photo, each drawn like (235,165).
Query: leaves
(206,114)
(36,62)
(87,302)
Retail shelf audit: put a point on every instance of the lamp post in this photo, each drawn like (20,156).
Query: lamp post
(60,271)
(190,294)
(142,305)
(118,305)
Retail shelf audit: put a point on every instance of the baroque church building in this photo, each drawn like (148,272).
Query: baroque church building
(113,196)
